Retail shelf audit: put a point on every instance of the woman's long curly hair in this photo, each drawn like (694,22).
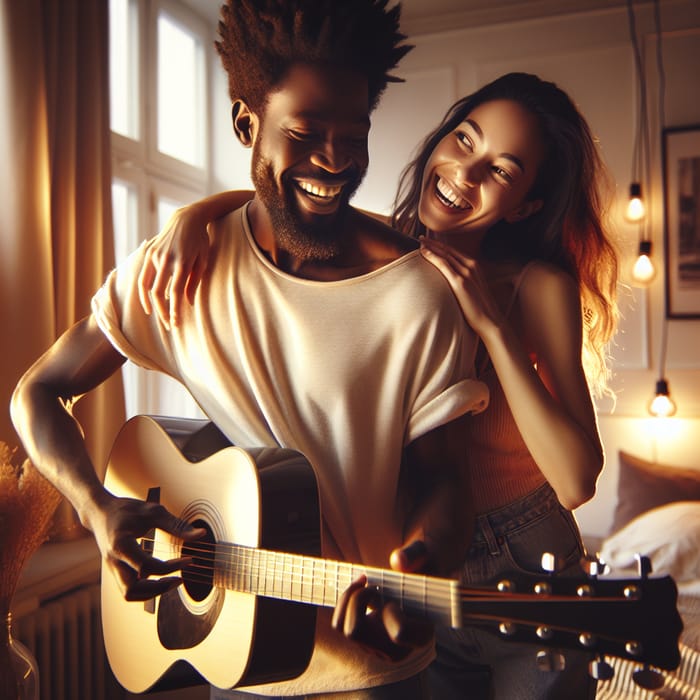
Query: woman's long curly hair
(568,231)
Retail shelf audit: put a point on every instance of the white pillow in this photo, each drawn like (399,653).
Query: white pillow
(669,535)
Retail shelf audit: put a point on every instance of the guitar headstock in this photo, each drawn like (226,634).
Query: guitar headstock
(629,618)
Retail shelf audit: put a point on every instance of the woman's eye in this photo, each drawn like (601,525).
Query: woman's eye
(465,140)
(502,174)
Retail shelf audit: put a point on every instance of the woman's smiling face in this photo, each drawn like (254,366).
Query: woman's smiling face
(482,171)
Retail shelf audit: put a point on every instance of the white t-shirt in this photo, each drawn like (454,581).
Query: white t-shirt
(347,372)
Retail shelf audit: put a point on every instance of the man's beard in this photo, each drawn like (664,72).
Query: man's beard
(301,239)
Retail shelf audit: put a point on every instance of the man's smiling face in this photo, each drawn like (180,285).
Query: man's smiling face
(310,156)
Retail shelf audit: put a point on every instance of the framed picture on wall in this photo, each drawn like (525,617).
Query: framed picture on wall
(681,156)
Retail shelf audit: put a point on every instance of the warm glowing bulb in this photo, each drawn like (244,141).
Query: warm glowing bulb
(643,271)
(662,405)
(636,210)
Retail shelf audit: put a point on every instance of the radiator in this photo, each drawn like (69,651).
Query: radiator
(65,636)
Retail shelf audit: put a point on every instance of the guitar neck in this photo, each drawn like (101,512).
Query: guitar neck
(320,582)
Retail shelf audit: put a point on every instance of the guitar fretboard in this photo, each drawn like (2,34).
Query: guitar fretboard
(321,581)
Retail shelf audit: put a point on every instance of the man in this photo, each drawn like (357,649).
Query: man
(316,328)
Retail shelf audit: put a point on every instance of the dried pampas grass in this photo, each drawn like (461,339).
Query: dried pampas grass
(27,504)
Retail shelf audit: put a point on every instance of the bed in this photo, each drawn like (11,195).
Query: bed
(657,514)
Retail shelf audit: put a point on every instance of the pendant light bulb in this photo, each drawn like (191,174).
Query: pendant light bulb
(662,405)
(644,271)
(636,210)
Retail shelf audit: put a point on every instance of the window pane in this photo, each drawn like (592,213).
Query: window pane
(180,92)
(168,396)
(125,217)
(166,207)
(123,61)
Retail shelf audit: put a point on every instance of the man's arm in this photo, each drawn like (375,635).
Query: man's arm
(436,495)
(80,360)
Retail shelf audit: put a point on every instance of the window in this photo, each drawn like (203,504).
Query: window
(180,92)
(160,145)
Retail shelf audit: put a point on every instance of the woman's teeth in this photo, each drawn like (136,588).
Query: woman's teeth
(450,197)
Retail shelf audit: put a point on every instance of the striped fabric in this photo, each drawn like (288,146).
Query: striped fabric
(681,684)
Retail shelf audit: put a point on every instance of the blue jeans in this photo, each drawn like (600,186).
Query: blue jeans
(475,664)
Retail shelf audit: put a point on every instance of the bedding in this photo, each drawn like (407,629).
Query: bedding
(658,515)
(643,485)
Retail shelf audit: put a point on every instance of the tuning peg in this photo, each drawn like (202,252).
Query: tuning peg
(505,586)
(648,678)
(643,565)
(593,566)
(600,669)
(550,660)
(551,563)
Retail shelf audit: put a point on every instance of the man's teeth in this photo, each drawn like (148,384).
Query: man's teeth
(326,191)
(450,196)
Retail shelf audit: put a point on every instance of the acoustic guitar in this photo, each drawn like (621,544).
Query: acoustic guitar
(245,613)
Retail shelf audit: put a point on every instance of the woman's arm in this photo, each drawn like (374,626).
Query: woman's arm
(553,411)
(176,258)
(551,404)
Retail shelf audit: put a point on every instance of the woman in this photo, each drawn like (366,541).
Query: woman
(504,195)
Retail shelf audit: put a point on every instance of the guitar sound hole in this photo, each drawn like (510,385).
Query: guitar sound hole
(198,577)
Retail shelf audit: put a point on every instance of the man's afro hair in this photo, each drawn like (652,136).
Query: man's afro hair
(259,40)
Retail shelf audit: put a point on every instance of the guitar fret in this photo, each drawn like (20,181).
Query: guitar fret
(321,583)
(284,583)
(265,568)
(311,583)
(256,569)
(334,598)
(251,568)
(278,580)
(273,573)
(298,577)
(237,574)
(289,578)
(304,597)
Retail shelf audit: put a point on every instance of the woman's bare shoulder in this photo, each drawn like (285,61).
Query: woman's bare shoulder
(549,291)
(539,276)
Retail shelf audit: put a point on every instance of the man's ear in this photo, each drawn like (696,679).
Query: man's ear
(528,208)
(245,123)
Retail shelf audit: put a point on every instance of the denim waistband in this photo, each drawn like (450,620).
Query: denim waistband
(501,521)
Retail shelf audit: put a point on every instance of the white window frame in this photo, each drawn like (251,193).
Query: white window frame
(152,175)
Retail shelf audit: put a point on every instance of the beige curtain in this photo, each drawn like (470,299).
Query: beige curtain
(55,203)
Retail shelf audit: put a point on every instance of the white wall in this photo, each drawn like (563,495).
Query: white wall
(589,55)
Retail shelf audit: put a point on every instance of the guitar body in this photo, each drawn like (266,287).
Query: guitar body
(200,632)
(245,613)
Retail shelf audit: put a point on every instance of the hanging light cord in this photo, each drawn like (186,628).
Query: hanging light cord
(641,160)
(660,67)
(636,155)
(662,125)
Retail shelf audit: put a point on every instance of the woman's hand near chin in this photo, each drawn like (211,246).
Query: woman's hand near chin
(464,275)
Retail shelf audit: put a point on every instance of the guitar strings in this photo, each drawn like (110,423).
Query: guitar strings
(198,571)
(327,573)
(200,574)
